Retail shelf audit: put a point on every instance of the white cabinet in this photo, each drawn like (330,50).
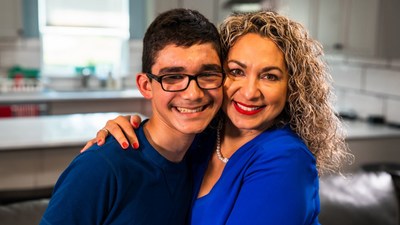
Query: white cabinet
(389,29)
(361,27)
(302,12)
(209,8)
(331,24)
(344,26)
(159,6)
(348,26)
(10,18)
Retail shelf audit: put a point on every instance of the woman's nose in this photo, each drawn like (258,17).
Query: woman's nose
(250,88)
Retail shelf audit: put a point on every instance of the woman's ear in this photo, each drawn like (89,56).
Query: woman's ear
(144,85)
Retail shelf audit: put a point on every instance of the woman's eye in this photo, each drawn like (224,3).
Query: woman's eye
(236,73)
(269,76)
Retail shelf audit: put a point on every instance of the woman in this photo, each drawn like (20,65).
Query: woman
(280,130)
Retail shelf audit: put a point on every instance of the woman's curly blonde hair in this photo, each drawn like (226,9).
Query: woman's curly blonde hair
(308,109)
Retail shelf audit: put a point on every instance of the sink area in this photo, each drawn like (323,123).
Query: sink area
(92,84)
(65,84)
(80,90)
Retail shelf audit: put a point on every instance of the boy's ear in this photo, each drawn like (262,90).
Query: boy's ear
(144,85)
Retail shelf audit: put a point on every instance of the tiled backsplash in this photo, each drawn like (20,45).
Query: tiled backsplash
(23,52)
(367,87)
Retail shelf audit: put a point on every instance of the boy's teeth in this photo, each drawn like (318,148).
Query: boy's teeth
(186,110)
(245,108)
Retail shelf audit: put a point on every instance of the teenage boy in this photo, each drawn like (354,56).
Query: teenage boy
(182,77)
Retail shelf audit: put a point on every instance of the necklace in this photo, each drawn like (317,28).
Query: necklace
(218,149)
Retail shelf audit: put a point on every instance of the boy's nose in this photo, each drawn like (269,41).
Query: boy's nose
(193,90)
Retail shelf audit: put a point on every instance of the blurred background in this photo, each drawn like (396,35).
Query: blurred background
(67,66)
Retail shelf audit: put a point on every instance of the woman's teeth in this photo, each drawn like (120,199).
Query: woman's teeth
(245,108)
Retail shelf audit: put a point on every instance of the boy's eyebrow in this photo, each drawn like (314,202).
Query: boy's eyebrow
(173,69)
(179,69)
(212,67)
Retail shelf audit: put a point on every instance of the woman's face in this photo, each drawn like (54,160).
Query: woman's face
(255,90)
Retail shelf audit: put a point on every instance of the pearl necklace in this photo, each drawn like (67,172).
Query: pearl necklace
(218,149)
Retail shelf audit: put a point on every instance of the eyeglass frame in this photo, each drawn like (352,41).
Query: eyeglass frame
(190,77)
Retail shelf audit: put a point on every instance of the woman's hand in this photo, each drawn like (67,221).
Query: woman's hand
(122,128)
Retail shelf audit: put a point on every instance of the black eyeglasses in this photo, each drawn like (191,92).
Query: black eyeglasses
(179,81)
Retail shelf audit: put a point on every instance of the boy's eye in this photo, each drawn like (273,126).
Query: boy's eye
(174,76)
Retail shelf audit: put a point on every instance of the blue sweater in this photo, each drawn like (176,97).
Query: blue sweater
(270,180)
(107,185)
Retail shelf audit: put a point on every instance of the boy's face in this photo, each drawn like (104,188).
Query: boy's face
(191,110)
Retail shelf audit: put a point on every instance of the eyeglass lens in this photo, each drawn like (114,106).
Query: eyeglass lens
(177,82)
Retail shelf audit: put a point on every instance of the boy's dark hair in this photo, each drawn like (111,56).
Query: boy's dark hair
(182,27)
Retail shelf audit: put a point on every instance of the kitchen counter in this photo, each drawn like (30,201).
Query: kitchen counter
(35,150)
(51,96)
(51,131)
(362,130)
(72,102)
(372,144)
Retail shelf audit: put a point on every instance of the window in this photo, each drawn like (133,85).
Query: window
(78,34)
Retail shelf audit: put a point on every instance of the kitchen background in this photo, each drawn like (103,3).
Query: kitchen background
(45,124)
(360,38)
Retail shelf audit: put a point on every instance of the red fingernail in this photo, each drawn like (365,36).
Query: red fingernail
(135,125)
(100,142)
(124,145)
(135,145)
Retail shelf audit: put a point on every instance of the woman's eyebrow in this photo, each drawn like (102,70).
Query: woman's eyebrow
(265,69)
(269,68)
(237,62)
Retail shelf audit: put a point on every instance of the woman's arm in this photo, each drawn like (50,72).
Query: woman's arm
(122,128)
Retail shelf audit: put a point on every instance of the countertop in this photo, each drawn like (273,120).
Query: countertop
(49,96)
(76,129)
(51,131)
(357,129)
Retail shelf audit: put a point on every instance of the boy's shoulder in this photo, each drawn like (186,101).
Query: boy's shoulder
(110,154)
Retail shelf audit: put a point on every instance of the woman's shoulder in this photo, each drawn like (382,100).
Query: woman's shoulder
(284,132)
(282,142)
(279,137)
(283,152)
